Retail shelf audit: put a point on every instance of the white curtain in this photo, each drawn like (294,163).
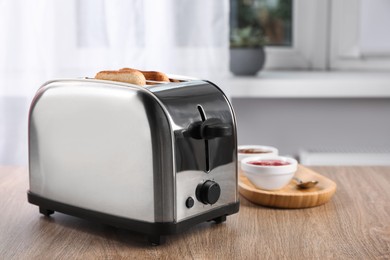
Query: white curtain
(47,39)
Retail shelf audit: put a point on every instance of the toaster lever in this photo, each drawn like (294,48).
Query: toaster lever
(208,129)
(214,127)
(194,130)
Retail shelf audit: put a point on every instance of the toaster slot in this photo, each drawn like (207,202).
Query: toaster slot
(206,142)
(201,141)
(204,138)
(208,130)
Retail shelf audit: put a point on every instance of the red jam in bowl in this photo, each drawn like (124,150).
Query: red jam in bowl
(269,163)
(252,150)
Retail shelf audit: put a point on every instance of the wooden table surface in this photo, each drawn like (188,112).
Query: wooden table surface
(355,224)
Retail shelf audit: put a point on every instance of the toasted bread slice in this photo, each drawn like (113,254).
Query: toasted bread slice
(174,80)
(151,75)
(127,76)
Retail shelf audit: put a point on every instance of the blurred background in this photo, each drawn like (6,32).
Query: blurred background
(309,77)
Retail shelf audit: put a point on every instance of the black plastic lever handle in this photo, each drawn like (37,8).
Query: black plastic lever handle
(214,127)
(208,129)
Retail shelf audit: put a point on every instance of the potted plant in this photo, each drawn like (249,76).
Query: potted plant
(247,54)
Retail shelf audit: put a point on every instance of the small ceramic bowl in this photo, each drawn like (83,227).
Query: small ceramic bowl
(245,151)
(271,173)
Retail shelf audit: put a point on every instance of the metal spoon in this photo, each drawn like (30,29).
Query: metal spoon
(306,184)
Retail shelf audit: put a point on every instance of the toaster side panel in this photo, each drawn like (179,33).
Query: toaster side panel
(205,146)
(93,145)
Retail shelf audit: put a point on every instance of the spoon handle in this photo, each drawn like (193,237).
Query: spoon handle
(297,180)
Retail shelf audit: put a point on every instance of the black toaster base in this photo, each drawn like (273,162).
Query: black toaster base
(155,231)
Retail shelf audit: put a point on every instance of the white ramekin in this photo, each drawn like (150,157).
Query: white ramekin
(272,152)
(269,177)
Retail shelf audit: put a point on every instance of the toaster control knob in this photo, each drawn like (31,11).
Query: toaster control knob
(208,192)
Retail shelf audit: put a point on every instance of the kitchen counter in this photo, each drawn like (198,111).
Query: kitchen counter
(354,224)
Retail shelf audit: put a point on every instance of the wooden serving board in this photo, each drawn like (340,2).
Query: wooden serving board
(290,197)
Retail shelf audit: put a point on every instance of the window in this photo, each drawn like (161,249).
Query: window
(322,34)
(360,38)
(296,31)
(270,20)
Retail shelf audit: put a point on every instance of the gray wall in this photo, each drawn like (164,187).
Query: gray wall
(329,124)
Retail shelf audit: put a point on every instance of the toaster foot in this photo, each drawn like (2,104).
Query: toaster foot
(220,219)
(46,212)
(156,240)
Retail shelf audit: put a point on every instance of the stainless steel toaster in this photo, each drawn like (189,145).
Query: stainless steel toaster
(153,159)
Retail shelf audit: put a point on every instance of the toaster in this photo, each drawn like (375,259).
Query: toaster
(155,159)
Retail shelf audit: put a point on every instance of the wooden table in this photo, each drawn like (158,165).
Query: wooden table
(354,224)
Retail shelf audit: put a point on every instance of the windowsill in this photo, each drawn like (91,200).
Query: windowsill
(309,84)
